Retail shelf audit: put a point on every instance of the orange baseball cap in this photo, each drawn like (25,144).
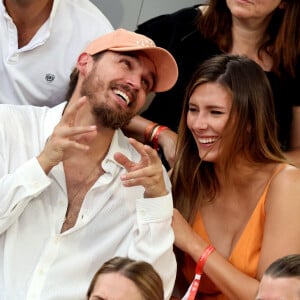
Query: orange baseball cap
(122,40)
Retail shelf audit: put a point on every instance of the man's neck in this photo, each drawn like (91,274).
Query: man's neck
(28,16)
(84,117)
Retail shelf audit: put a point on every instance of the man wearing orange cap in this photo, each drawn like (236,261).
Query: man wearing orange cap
(74,191)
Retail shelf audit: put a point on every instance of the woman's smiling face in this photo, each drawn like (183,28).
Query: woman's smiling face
(208,113)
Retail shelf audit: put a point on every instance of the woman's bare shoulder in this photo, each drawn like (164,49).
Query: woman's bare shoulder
(288,174)
(285,184)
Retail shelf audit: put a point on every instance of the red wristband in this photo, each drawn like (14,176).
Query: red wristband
(156,134)
(202,260)
(193,289)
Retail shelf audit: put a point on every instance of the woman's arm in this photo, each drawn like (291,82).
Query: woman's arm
(233,283)
(282,222)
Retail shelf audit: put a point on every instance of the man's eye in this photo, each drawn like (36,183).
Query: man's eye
(126,62)
(145,84)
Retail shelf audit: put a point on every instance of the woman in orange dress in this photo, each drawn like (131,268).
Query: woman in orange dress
(233,188)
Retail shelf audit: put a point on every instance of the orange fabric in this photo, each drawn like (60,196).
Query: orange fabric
(246,252)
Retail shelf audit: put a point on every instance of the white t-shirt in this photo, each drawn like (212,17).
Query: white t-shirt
(39,72)
(37,261)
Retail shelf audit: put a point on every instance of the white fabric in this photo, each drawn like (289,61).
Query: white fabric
(39,262)
(39,72)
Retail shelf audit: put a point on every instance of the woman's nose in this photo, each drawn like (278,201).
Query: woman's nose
(201,123)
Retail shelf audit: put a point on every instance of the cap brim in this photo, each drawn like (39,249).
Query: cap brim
(122,40)
(165,65)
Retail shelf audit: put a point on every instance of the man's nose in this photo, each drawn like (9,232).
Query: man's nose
(134,80)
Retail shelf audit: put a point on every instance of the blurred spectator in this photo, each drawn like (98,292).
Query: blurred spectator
(122,278)
(40,42)
(281,280)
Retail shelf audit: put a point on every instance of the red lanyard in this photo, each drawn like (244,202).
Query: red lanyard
(193,289)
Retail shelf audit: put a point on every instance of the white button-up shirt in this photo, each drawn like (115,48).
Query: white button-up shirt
(37,261)
(39,72)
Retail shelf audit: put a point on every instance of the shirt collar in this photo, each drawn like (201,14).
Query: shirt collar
(53,116)
(119,143)
(44,31)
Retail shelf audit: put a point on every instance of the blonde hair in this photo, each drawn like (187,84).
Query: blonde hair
(141,273)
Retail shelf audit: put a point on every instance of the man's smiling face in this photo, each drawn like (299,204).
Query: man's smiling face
(117,86)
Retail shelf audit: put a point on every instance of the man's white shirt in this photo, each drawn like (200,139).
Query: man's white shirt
(37,261)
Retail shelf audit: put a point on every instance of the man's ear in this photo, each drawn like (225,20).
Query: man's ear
(83,63)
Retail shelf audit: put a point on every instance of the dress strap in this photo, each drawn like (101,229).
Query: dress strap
(277,169)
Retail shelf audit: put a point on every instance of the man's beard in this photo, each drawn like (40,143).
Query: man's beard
(106,115)
(110,118)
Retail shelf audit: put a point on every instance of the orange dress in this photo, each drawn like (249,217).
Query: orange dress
(245,254)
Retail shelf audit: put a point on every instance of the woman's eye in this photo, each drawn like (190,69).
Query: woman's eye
(216,112)
(192,109)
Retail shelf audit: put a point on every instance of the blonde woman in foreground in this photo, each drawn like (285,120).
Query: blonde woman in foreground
(122,278)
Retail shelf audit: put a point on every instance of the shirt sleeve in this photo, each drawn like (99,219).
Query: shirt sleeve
(154,238)
(168,29)
(18,188)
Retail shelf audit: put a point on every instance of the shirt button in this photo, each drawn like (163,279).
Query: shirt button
(14,58)
(41,272)
(35,184)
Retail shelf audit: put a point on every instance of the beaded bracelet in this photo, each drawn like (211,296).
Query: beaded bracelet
(155,135)
(149,131)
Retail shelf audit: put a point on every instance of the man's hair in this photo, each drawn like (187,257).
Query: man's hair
(141,273)
(74,77)
(287,266)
